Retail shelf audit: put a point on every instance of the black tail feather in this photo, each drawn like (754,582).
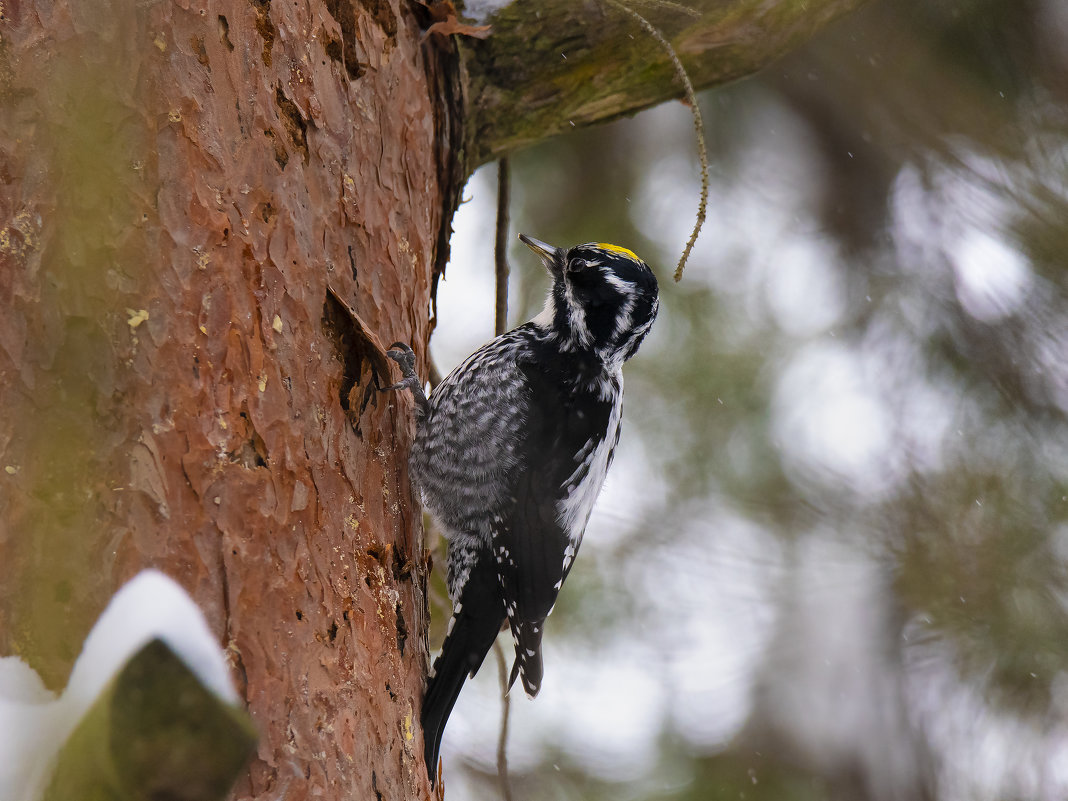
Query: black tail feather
(473,629)
(527,662)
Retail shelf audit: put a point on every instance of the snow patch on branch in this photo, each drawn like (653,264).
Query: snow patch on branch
(481,10)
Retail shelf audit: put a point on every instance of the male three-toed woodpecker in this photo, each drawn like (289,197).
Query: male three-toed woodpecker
(511,451)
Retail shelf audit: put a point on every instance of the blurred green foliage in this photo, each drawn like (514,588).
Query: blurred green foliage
(869,348)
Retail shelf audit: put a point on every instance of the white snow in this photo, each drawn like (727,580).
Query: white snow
(481,10)
(992,276)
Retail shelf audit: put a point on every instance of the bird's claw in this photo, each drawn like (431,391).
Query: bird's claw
(404,356)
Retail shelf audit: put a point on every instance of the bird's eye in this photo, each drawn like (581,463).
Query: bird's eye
(577,265)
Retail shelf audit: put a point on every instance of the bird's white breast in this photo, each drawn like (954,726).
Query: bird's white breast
(594,460)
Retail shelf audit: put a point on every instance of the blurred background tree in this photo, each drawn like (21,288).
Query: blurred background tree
(830,561)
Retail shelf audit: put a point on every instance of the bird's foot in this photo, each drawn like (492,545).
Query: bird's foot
(405,359)
(404,356)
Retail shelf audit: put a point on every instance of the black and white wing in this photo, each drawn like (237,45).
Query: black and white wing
(563,461)
(463,460)
(470,443)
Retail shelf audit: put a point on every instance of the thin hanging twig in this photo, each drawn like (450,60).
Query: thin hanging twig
(502,738)
(698,124)
(500,321)
(500,249)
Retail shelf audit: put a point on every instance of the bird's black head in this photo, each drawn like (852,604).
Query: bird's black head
(603,299)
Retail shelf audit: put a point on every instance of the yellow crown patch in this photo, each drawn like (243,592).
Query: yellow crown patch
(617,249)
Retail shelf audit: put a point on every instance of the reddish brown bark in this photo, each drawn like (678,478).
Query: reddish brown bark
(181,181)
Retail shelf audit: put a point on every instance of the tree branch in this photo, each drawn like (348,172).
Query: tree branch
(155,732)
(549,66)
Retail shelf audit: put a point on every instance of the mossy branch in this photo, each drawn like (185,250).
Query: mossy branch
(550,66)
(155,732)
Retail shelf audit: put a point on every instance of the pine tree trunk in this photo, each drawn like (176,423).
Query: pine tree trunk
(192,195)
(181,183)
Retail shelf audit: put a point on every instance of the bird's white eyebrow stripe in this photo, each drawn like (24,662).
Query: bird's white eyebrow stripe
(619,283)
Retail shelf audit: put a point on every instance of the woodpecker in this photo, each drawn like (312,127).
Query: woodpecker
(510,453)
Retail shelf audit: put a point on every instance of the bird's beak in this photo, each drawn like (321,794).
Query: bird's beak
(551,256)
